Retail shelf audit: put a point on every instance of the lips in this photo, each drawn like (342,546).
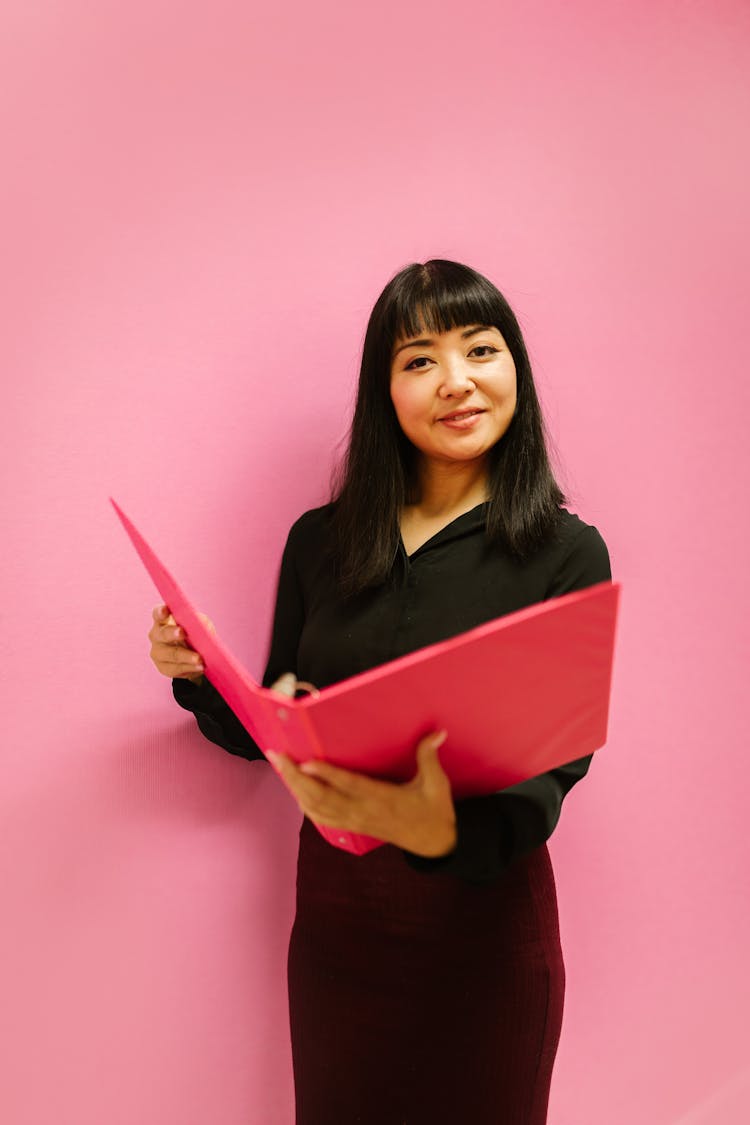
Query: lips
(460,414)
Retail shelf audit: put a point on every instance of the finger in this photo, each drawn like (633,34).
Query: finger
(160,614)
(306,790)
(171,634)
(344,781)
(433,740)
(195,677)
(179,671)
(427,753)
(168,651)
(164,634)
(176,656)
(167,635)
(428,763)
(286,685)
(431,778)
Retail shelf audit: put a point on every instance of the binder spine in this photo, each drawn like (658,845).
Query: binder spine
(294,734)
(287,717)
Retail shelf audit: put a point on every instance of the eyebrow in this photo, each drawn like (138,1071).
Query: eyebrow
(430,343)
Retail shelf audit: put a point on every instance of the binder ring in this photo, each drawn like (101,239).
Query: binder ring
(302,685)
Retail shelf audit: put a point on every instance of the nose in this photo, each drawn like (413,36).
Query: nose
(457,380)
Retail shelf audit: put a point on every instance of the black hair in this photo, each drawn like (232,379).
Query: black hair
(377,475)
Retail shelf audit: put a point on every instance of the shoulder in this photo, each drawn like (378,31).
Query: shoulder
(311,530)
(573,533)
(578,555)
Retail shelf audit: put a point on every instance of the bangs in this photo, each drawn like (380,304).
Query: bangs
(440,296)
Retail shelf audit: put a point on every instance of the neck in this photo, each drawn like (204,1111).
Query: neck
(445,486)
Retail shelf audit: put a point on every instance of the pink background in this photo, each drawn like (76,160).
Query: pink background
(201,204)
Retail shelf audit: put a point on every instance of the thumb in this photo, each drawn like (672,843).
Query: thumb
(428,762)
(286,684)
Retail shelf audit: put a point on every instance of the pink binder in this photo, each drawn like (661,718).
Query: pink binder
(518,695)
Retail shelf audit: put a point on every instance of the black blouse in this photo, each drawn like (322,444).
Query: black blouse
(453,582)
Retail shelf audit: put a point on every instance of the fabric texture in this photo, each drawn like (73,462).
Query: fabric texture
(421,990)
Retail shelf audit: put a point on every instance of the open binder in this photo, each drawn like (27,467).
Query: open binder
(517,696)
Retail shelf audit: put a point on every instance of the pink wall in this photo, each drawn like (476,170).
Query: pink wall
(202,203)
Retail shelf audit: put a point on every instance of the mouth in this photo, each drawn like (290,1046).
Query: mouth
(459,414)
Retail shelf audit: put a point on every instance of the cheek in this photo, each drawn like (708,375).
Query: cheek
(407,403)
(506,391)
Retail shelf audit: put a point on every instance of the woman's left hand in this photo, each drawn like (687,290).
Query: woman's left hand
(416,815)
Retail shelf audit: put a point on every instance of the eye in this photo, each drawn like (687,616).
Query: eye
(477,347)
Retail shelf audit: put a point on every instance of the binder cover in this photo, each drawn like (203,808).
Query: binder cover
(517,696)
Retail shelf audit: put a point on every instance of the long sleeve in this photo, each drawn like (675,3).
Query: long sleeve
(214,717)
(494,830)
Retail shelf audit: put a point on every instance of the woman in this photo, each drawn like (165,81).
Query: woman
(426,978)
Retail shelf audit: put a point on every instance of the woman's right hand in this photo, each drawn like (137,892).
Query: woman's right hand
(169,650)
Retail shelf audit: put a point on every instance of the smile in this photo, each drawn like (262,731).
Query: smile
(461,419)
(460,414)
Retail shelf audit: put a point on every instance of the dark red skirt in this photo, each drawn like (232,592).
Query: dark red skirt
(421,999)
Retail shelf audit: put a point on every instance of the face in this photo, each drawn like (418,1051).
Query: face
(454,392)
